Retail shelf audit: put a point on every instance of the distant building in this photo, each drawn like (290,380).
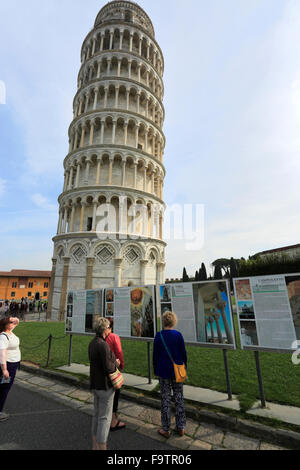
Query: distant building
(291,251)
(20,283)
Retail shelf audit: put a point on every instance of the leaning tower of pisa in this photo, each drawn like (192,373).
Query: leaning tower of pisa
(111,206)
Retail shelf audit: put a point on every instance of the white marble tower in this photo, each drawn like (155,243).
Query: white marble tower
(111,207)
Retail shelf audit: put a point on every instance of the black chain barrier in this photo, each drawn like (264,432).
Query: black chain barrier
(49,339)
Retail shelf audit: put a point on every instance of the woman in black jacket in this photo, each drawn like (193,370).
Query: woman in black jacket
(102,363)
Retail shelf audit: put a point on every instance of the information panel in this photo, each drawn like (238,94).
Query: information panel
(132,311)
(268,310)
(203,310)
(82,308)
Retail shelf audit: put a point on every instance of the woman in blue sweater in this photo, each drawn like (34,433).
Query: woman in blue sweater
(164,369)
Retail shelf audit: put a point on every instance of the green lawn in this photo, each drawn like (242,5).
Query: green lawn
(205,366)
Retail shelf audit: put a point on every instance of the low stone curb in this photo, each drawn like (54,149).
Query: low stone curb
(279,437)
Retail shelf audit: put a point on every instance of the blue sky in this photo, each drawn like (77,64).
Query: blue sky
(232,99)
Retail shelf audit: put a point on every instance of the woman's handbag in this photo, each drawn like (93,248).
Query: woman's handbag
(179,370)
(117,379)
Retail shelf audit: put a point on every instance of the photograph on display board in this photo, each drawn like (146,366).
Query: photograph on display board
(246,309)
(293,289)
(142,312)
(69,311)
(248,333)
(109,307)
(212,313)
(68,324)
(243,289)
(93,308)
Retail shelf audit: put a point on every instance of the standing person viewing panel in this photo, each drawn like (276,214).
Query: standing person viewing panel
(10,358)
(102,363)
(164,369)
(115,345)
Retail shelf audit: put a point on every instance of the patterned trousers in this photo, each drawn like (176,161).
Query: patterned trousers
(166,387)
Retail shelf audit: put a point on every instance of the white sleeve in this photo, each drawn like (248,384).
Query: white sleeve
(3,342)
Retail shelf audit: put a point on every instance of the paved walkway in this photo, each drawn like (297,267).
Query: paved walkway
(143,416)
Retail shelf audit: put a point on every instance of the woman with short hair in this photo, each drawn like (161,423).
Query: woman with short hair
(102,363)
(164,369)
(10,358)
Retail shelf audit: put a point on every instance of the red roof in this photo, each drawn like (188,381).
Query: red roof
(25,273)
(276,250)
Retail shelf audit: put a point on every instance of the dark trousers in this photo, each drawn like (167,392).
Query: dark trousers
(12,368)
(116,401)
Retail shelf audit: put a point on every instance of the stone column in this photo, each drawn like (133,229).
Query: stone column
(131,42)
(102,131)
(59,222)
(95,207)
(94,46)
(137,128)
(51,290)
(111,40)
(96,91)
(82,137)
(92,133)
(90,262)
(105,96)
(121,39)
(87,172)
(117,97)
(71,178)
(99,70)
(72,218)
(145,178)
(144,263)
(138,102)
(135,175)
(101,42)
(118,272)
(99,161)
(78,175)
(127,99)
(82,214)
(111,159)
(160,273)
(125,132)
(114,131)
(119,67)
(124,172)
(86,102)
(63,296)
(66,181)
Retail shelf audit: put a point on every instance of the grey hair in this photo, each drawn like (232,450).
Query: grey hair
(100,325)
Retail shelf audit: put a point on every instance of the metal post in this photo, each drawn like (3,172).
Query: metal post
(70,350)
(227,374)
(261,388)
(149,363)
(49,350)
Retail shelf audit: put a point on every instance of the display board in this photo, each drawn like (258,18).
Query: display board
(132,311)
(82,307)
(268,310)
(203,310)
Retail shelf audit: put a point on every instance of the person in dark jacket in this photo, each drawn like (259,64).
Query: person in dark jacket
(102,363)
(164,369)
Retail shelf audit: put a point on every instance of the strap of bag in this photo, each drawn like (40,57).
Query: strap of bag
(162,338)
(5,335)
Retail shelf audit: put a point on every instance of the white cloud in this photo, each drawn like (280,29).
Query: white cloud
(43,203)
